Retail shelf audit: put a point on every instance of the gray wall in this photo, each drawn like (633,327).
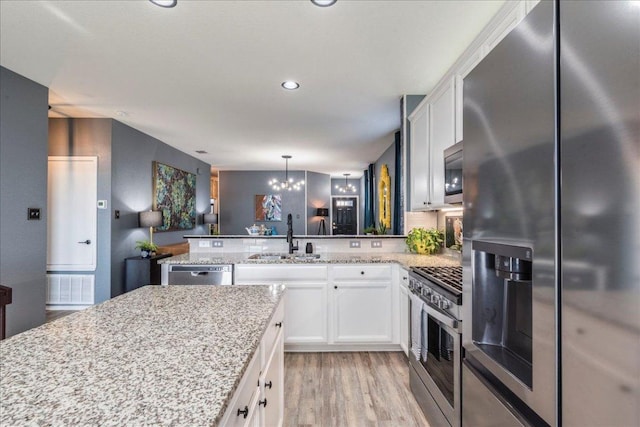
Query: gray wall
(125,157)
(237,190)
(90,137)
(131,192)
(318,196)
(23,184)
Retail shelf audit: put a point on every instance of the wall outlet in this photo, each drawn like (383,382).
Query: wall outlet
(204,244)
(116,214)
(354,244)
(218,243)
(102,204)
(376,243)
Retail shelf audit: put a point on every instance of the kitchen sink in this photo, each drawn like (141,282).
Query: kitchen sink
(276,257)
(268,257)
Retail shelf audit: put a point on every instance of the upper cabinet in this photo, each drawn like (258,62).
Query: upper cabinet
(433,128)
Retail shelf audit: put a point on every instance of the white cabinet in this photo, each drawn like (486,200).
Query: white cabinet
(433,128)
(271,403)
(263,379)
(306,297)
(362,304)
(307,313)
(403,317)
(331,306)
(443,135)
(419,152)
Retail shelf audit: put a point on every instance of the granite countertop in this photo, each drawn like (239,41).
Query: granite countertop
(160,355)
(404,259)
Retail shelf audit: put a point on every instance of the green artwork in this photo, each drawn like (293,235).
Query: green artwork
(174,193)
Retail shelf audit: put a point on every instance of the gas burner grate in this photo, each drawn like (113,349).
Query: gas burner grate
(449,276)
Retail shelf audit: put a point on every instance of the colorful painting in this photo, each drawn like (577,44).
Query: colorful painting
(453,232)
(174,193)
(268,207)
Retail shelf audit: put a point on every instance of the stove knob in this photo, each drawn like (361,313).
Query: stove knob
(444,304)
(427,291)
(435,299)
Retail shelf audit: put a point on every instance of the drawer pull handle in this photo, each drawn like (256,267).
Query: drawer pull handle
(263,402)
(269,384)
(362,272)
(335,287)
(279,325)
(243,412)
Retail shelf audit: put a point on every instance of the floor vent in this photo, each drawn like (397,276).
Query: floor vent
(70,289)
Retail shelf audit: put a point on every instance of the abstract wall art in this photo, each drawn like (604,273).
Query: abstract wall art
(268,207)
(174,193)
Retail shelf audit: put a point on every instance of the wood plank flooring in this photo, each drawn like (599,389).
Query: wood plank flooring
(349,389)
(52,315)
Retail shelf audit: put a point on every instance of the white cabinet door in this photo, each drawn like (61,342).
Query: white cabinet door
(419,157)
(443,135)
(271,403)
(306,313)
(362,312)
(404,311)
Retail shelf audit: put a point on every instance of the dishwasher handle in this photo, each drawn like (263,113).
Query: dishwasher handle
(201,268)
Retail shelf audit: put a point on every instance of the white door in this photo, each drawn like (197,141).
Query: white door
(72,218)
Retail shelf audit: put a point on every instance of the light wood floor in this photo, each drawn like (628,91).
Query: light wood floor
(349,389)
(52,315)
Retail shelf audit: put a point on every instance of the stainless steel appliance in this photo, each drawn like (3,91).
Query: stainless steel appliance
(200,274)
(453,179)
(552,146)
(435,357)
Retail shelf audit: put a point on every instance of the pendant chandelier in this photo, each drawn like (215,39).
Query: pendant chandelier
(348,188)
(288,184)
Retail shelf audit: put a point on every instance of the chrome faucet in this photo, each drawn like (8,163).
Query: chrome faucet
(292,247)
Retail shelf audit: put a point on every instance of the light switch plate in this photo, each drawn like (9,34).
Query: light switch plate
(218,243)
(204,244)
(376,243)
(354,244)
(34,214)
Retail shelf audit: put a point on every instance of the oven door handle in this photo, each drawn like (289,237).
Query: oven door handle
(441,317)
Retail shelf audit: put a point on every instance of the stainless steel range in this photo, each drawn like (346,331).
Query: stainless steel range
(435,358)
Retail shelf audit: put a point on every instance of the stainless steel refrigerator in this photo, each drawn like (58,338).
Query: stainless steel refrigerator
(551,262)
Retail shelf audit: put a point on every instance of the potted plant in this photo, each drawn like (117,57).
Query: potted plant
(370,230)
(423,241)
(147,249)
(382,228)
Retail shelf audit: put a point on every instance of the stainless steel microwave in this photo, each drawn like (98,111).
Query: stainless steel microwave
(453,174)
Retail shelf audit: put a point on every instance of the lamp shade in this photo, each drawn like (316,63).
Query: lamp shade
(210,218)
(322,212)
(150,218)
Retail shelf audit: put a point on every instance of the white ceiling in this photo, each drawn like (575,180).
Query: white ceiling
(206,75)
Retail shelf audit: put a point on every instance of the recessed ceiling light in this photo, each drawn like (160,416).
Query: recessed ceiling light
(290,85)
(323,3)
(164,3)
(121,113)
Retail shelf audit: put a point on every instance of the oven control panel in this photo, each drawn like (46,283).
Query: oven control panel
(434,298)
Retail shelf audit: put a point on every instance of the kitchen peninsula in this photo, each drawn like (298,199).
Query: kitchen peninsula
(171,355)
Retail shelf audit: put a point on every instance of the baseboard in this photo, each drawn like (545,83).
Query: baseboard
(59,307)
(320,348)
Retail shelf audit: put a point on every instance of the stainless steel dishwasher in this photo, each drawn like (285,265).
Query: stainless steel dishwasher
(200,274)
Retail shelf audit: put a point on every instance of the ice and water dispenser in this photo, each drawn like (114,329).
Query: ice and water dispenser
(502,305)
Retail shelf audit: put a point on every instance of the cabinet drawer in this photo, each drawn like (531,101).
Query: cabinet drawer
(275,326)
(362,272)
(279,273)
(245,394)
